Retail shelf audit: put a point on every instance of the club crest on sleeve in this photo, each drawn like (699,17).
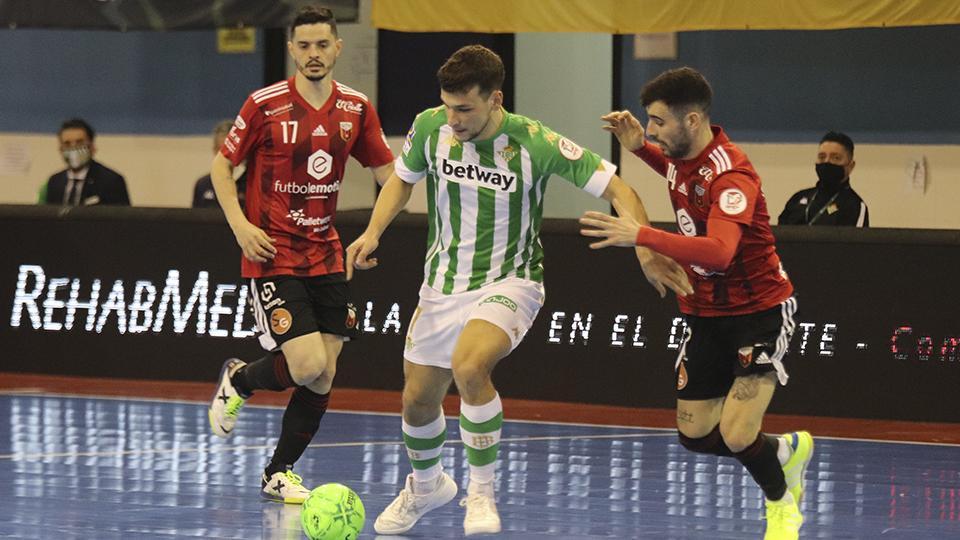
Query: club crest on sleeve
(733,201)
(570,149)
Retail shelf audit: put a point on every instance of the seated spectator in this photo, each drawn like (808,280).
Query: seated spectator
(203,194)
(832,201)
(85,182)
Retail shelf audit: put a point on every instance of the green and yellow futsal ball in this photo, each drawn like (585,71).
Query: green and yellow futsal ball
(332,512)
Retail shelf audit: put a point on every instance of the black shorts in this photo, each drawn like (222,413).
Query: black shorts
(716,350)
(286,307)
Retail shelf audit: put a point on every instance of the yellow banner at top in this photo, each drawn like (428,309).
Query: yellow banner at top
(639,16)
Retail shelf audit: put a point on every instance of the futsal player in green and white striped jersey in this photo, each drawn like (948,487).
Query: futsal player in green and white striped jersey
(486,172)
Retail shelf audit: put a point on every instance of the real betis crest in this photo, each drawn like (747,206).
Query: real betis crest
(507,153)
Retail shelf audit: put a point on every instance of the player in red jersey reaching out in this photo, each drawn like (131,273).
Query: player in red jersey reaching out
(739,319)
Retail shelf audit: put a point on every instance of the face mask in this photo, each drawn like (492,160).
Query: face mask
(830,175)
(77,157)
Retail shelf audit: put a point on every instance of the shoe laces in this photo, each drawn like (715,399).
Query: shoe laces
(403,502)
(478,503)
(779,514)
(234,404)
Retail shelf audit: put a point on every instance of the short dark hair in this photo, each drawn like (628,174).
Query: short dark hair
(680,89)
(473,65)
(841,138)
(77,123)
(222,128)
(314,15)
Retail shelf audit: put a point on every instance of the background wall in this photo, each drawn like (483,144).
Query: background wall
(879,177)
(154,97)
(565,81)
(776,93)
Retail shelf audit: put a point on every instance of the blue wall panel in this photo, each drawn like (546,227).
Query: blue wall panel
(880,85)
(133,82)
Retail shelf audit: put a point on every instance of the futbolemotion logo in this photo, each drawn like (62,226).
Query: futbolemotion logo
(500,299)
(471,174)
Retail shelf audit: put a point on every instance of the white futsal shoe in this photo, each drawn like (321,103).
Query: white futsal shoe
(284,487)
(482,516)
(227,402)
(404,512)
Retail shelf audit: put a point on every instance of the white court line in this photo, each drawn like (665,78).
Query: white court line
(37,392)
(227,448)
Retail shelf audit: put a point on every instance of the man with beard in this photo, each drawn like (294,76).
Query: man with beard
(295,136)
(739,319)
(832,201)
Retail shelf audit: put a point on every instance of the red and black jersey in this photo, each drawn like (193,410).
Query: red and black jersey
(721,183)
(295,158)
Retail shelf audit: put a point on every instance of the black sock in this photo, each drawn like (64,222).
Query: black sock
(268,373)
(760,459)
(301,421)
(712,443)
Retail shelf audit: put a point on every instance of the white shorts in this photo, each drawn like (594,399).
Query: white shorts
(511,304)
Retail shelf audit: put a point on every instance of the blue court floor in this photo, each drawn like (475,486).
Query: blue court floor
(81,467)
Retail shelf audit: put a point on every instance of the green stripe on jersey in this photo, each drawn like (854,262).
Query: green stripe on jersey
(485,198)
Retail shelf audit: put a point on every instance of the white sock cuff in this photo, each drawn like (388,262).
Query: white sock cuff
(429,431)
(482,413)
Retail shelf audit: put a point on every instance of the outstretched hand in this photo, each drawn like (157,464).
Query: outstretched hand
(661,271)
(626,127)
(358,254)
(615,231)
(665,273)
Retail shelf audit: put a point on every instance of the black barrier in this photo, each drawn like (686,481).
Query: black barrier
(156,294)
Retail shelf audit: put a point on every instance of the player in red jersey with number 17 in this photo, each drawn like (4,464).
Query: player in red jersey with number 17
(740,318)
(296,136)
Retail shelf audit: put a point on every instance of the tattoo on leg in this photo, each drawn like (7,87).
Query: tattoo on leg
(684,416)
(745,388)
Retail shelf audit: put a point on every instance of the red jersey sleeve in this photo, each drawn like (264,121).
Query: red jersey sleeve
(652,156)
(244,134)
(713,251)
(372,150)
(734,197)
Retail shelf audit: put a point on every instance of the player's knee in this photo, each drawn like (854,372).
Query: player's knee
(468,374)
(737,437)
(707,444)
(419,407)
(306,368)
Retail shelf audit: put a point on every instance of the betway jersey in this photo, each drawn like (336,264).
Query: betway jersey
(295,160)
(485,198)
(722,183)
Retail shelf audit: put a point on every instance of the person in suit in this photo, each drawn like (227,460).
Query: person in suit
(85,182)
(203,193)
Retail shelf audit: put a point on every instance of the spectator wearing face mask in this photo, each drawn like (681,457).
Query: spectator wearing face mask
(832,201)
(84,182)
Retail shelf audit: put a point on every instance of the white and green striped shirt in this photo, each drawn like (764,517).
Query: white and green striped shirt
(485,198)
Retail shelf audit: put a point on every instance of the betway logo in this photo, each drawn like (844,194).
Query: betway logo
(305,189)
(462,173)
